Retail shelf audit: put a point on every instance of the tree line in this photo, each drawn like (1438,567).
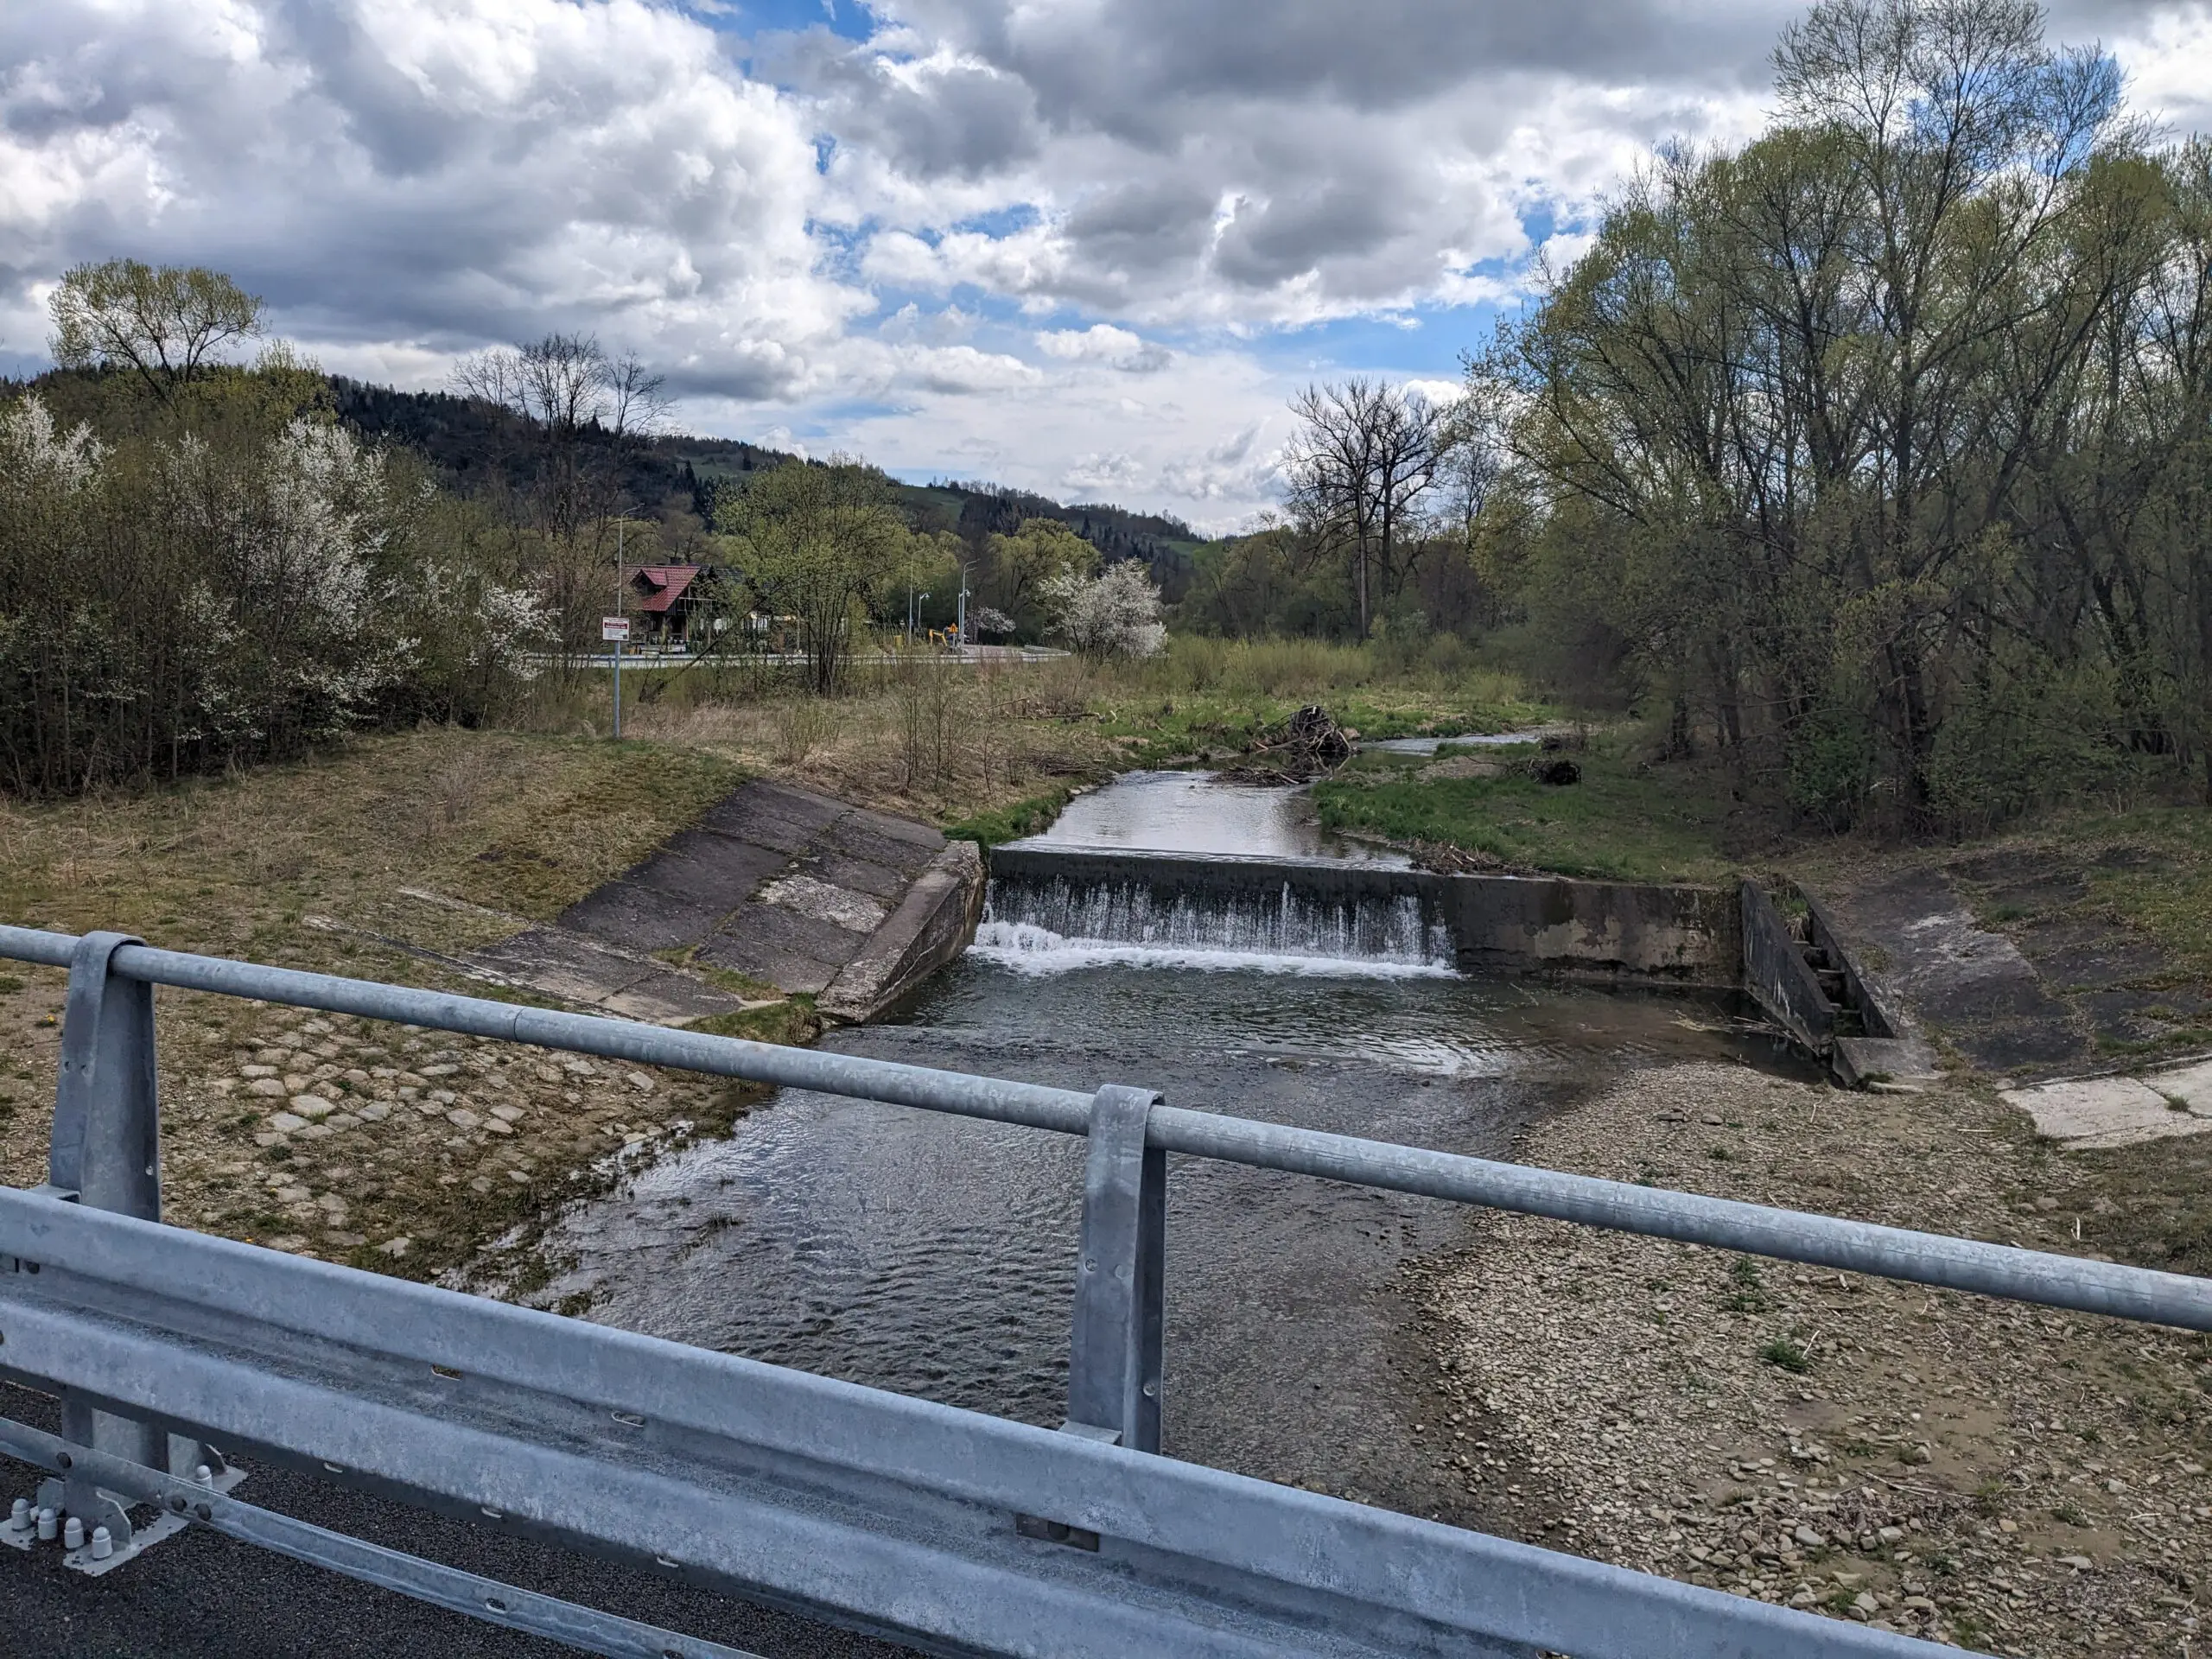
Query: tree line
(1382,490)
(202,564)
(1878,449)
(1874,455)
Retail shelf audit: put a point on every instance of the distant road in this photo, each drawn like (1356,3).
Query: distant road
(968,656)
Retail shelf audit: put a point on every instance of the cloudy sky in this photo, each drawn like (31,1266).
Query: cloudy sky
(1083,246)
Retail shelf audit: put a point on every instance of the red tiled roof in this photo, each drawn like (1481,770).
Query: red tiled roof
(669,581)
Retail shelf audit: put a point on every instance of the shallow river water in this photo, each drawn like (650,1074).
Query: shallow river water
(935,1254)
(1195,812)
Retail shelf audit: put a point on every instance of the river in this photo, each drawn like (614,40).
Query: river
(935,1255)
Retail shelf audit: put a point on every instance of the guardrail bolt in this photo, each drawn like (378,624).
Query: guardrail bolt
(72,1535)
(203,1476)
(49,1524)
(102,1544)
(19,1514)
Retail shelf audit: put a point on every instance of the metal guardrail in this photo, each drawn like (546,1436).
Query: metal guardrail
(949,1530)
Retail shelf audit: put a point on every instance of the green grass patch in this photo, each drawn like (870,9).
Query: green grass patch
(1787,1355)
(1214,697)
(1747,1287)
(793,1023)
(1011,822)
(2148,868)
(1622,821)
(724,979)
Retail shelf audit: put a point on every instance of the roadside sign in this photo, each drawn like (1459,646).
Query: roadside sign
(613,627)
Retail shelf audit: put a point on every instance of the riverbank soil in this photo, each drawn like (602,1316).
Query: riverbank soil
(2005,1477)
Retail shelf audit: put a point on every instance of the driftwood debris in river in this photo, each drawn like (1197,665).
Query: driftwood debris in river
(1308,744)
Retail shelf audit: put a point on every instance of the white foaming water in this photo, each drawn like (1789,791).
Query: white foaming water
(1026,949)
(1274,919)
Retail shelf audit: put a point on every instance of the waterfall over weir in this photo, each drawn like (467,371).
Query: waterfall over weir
(1052,909)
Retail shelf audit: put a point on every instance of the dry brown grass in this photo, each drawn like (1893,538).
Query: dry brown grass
(520,824)
(308,864)
(915,738)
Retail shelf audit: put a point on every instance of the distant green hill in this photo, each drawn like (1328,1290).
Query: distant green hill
(479,447)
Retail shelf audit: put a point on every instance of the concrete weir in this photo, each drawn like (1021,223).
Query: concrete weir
(777,887)
(1688,935)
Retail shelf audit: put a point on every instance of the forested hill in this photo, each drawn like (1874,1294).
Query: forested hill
(480,447)
(978,510)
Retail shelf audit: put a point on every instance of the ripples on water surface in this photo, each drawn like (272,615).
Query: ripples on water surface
(934,1255)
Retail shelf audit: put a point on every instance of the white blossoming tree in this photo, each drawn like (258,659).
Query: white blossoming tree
(184,599)
(1115,614)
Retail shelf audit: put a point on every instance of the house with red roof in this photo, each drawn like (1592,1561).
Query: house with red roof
(663,598)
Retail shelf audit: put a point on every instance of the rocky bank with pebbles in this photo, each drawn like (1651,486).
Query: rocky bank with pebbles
(352,1139)
(1973,1472)
(355,1116)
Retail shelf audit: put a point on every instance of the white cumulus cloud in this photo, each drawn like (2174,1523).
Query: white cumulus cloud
(1076,247)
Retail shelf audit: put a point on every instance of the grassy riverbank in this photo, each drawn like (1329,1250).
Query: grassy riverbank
(1622,820)
(992,753)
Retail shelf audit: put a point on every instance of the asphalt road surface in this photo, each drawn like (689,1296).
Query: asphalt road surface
(199,1595)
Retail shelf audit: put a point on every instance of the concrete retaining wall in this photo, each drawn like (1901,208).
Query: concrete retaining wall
(932,925)
(1872,1002)
(1497,923)
(1775,973)
(1685,933)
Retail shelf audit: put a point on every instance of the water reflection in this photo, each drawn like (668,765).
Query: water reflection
(1198,812)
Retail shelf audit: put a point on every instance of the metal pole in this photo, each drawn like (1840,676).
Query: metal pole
(105,1153)
(1113,1371)
(621,609)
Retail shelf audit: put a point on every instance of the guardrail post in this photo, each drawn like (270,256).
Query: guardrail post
(106,1154)
(1114,1369)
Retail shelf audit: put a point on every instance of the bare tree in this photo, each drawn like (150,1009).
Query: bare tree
(637,402)
(1364,455)
(566,389)
(1471,444)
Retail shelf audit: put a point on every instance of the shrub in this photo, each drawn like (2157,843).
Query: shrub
(179,601)
(1115,614)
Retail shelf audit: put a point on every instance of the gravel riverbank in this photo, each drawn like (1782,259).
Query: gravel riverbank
(2002,1477)
(393,1148)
